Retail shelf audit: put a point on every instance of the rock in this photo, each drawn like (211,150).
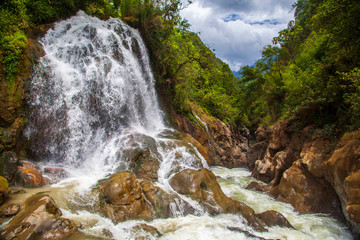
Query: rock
(342,170)
(121,199)
(236,229)
(144,232)
(313,154)
(8,165)
(223,145)
(261,134)
(4,189)
(274,218)
(40,219)
(145,165)
(257,186)
(163,203)
(53,174)
(306,193)
(199,147)
(28,175)
(9,210)
(256,152)
(284,146)
(201,185)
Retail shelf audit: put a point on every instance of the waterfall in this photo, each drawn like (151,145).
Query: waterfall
(93,98)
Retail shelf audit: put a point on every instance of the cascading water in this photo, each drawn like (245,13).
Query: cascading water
(93,100)
(93,96)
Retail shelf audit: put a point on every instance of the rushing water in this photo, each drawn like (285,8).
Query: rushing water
(93,100)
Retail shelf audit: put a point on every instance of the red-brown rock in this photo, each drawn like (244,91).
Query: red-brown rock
(201,185)
(9,210)
(121,199)
(28,175)
(274,218)
(343,172)
(40,219)
(306,193)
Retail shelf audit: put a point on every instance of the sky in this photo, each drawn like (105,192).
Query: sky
(238,29)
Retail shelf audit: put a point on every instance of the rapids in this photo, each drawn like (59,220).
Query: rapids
(92,101)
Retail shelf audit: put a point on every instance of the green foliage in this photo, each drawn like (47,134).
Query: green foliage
(16,16)
(314,74)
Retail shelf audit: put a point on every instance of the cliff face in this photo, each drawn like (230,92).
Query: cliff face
(13,96)
(224,145)
(307,169)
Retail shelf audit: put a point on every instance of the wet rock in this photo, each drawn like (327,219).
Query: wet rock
(247,233)
(40,219)
(199,147)
(9,210)
(163,203)
(53,174)
(306,193)
(4,189)
(144,231)
(8,165)
(121,199)
(257,186)
(342,170)
(145,165)
(28,175)
(274,218)
(201,185)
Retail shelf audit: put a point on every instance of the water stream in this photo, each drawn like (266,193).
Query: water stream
(92,101)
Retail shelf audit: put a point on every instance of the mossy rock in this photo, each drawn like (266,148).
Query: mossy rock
(4,189)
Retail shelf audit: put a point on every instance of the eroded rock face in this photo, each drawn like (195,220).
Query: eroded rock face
(343,172)
(201,185)
(121,199)
(39,220)
(292,167)
(306,193)
(223,145)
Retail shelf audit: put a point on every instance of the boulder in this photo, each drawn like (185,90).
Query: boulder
(254,185)
(121,199)
(306,193)
(4,189)
(164,203)
(28,175)
(201,185)
(9,210)
(342,170)
(144,232)
(273,218)
(145,165)
(40,219)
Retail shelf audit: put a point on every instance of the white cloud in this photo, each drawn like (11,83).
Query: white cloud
(238,29)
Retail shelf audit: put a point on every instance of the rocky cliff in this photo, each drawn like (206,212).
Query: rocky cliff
(313,171)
